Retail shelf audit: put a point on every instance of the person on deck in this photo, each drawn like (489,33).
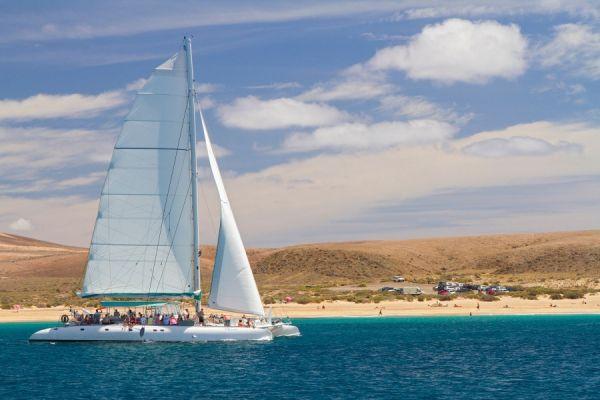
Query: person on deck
(172,320)
(143,319)
(165,319)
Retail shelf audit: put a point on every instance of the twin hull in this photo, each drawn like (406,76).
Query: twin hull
(140,333)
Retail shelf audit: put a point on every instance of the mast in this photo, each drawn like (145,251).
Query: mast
(187,44)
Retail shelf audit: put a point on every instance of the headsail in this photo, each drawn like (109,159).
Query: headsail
(143,238)
(233,287)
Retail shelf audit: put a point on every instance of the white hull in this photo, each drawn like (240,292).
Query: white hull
(138,333)
(284,330)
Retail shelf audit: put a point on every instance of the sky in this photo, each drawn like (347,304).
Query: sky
(333,121)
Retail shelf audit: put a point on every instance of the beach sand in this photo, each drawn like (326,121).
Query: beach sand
(505,306)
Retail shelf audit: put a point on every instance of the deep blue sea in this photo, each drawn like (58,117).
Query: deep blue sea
(516,357)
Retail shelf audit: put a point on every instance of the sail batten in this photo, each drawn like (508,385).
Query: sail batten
(142,242)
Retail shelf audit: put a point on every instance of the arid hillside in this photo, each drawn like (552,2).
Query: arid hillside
(37,272)
(534,256)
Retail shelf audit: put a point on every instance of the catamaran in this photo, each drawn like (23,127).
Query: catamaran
(145,243)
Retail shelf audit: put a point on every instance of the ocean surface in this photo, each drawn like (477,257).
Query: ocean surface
(499,357)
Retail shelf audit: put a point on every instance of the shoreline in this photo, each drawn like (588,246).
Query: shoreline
(590,304)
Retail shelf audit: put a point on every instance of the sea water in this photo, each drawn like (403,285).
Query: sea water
(499,357)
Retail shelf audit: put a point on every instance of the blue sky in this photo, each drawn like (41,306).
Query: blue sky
(334,121)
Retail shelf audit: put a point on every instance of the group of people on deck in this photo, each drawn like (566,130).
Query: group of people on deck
(131,318)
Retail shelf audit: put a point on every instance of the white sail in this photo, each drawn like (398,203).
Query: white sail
(143,238)
(233,287)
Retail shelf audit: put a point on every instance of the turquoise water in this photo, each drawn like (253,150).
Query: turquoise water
(534,357)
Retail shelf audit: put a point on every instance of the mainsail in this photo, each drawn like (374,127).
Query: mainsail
(143,240)
(233,287)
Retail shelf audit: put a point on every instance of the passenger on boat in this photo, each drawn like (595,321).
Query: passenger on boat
(201,317)
(240,323)
(186,315)
(165,320)
(143,319)
(172,320)
(117,314)
(150,320)
(226,320)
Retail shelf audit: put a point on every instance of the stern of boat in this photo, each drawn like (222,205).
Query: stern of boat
(284,330)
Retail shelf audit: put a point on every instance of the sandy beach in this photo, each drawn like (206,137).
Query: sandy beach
(505,306)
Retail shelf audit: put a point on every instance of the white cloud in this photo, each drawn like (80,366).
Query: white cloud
(219,150)
(379,136)
(28,153)
(77,21)
(314,194)
(518,146)
(46,106)
(21,224)
(71,105)
(456,8)
(347,90)
(420,107)
(136,85)
(277,86)
(51,216)
(458,50)
(575,47)
(204,88)
(206,102)
(253,113)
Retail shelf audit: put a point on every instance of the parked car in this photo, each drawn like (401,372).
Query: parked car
(398,278)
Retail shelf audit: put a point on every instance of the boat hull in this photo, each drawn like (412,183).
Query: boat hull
(284,330)
(138,333)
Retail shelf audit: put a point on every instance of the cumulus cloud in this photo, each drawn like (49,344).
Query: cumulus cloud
(357,136)
(518,146)
(21,224)
(575,47)
(256,114)
(458,50)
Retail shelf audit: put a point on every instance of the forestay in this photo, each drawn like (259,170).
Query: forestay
(233,287)
(143,237)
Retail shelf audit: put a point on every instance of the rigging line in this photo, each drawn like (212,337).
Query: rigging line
(168,191)
(176,228)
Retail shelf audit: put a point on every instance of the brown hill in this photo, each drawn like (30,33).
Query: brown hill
(45,273)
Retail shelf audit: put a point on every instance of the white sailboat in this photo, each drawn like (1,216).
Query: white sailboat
(145,241)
